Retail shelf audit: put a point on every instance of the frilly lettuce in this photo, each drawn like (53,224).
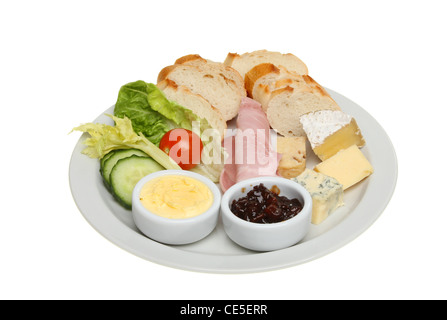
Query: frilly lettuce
(105,138)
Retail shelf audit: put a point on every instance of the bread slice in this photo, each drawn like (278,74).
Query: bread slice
(264,70)
(266,74)
(220,85)
(228,72)
(245,62)
(190,58)
(196,103)
(286,100)
(265,78)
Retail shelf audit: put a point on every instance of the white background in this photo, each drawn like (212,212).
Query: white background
(63,62)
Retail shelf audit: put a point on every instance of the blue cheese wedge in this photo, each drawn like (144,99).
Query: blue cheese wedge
(326,193)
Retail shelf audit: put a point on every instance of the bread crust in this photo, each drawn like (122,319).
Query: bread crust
(245,62)
(189,57)
(230,58)
(162,85)
(163,74)
(256,73)
(316,86)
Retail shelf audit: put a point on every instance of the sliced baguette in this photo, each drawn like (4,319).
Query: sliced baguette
(220,85)
(194,102)
(268,74)
(286,100)
(190,58)
(267,71)
(265,78)
(228,72)
(245,62)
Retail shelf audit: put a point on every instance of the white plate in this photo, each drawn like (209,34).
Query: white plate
(217,253)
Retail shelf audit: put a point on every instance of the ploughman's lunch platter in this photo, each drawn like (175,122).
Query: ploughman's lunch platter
(244,165)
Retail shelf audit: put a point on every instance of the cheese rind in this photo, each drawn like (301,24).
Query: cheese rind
(330,131)
(326,193)
(349,166)
(293,156)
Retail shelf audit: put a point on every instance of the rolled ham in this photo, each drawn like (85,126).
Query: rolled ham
(249,151)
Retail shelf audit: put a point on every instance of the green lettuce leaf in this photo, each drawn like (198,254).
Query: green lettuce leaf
(152,115)
(180,116)
(133,103)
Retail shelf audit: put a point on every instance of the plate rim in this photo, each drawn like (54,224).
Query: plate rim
(124,237)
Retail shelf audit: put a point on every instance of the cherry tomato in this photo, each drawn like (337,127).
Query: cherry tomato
(183,146)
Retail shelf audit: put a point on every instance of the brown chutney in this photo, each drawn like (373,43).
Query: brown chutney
(262,205)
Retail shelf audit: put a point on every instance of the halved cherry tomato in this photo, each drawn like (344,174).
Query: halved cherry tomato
(183,146)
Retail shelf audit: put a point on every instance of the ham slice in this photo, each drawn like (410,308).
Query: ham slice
(250,152)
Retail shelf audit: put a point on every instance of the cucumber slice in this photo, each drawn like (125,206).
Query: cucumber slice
(127,172)
(104,159)
(110,162)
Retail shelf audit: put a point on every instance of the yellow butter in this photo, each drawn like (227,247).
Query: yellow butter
(348,166)
(176,196)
